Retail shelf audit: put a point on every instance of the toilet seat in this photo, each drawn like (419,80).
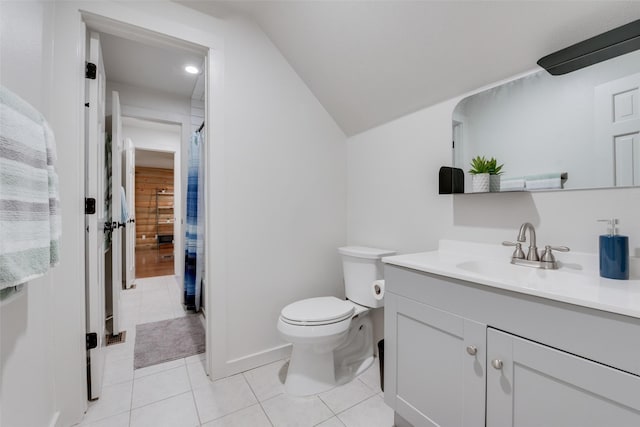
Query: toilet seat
(317,311)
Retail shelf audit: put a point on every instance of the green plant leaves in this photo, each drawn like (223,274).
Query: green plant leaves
(494,167)
(480,164)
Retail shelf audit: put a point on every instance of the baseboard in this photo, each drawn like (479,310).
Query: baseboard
(54,420)
(254,360)
(398,421)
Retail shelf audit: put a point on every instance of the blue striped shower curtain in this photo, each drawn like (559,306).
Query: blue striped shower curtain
(194,243)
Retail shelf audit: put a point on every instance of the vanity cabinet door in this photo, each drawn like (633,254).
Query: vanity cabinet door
(530,385)
(435,363)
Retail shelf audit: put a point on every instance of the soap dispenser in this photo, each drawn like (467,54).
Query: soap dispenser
(614,252)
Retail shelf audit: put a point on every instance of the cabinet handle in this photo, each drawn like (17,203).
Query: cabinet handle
(496,363)
(472,350)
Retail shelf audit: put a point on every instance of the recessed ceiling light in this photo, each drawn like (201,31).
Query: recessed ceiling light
(191,69)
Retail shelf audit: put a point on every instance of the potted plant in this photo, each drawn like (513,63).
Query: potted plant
(479,175)
(495,170)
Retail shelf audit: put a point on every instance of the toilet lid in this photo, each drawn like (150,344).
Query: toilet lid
(317,311)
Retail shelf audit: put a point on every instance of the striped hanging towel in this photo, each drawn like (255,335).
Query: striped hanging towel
(30,223)
(193,238)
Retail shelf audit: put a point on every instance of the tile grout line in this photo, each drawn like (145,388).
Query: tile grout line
(168,397)
(131,402)
(133,380)
(160,371)
(193,395)
(349,407)
(83,422)
(333,414)
(258,400)
(158,401)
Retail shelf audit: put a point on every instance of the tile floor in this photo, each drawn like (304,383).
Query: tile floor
(179,393)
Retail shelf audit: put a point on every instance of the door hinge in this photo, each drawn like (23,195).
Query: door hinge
(89,206)
(92,340)
(90,71)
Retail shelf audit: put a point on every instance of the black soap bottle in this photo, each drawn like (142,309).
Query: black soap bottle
(614,252)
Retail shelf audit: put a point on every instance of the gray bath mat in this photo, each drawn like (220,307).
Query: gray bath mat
(168,340)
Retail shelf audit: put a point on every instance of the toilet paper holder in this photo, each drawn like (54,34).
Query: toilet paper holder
(378,289)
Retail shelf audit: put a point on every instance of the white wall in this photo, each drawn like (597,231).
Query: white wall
(286,193)
(41,353)
(392,182)
(393,197)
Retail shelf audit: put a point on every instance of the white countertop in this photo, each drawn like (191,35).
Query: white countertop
(577,281)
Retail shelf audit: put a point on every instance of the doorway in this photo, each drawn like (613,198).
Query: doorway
(155,197)
(158,191)
(144,105)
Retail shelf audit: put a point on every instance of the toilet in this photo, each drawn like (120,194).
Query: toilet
(332,338)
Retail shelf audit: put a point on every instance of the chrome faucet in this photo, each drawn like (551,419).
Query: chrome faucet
(548,261)
(532,254)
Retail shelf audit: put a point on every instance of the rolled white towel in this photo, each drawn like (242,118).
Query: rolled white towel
(547,181)
(512,184)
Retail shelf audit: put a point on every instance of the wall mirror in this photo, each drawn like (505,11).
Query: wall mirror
(585,124)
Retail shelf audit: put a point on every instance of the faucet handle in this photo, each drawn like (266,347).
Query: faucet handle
(548,255)
(557,248)
(517,253)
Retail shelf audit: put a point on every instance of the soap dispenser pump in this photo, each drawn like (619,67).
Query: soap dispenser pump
(614,252)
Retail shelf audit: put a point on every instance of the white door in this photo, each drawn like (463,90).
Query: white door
(116,206)
(95,242)
(617,109)
(130,230)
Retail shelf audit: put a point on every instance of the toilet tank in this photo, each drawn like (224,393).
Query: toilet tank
(362,266)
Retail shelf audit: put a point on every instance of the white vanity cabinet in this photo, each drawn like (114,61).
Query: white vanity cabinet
(459,353)
(535,385)
(439,361)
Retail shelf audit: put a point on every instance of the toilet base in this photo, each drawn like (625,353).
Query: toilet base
(309,372)
(347,374)
(312,372)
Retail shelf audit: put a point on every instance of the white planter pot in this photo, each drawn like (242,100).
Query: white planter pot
(480,183)
(494,183)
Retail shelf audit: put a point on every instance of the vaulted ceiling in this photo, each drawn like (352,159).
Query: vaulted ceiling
(369,62)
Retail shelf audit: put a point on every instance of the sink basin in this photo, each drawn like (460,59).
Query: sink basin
(529,277)
(504,270)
